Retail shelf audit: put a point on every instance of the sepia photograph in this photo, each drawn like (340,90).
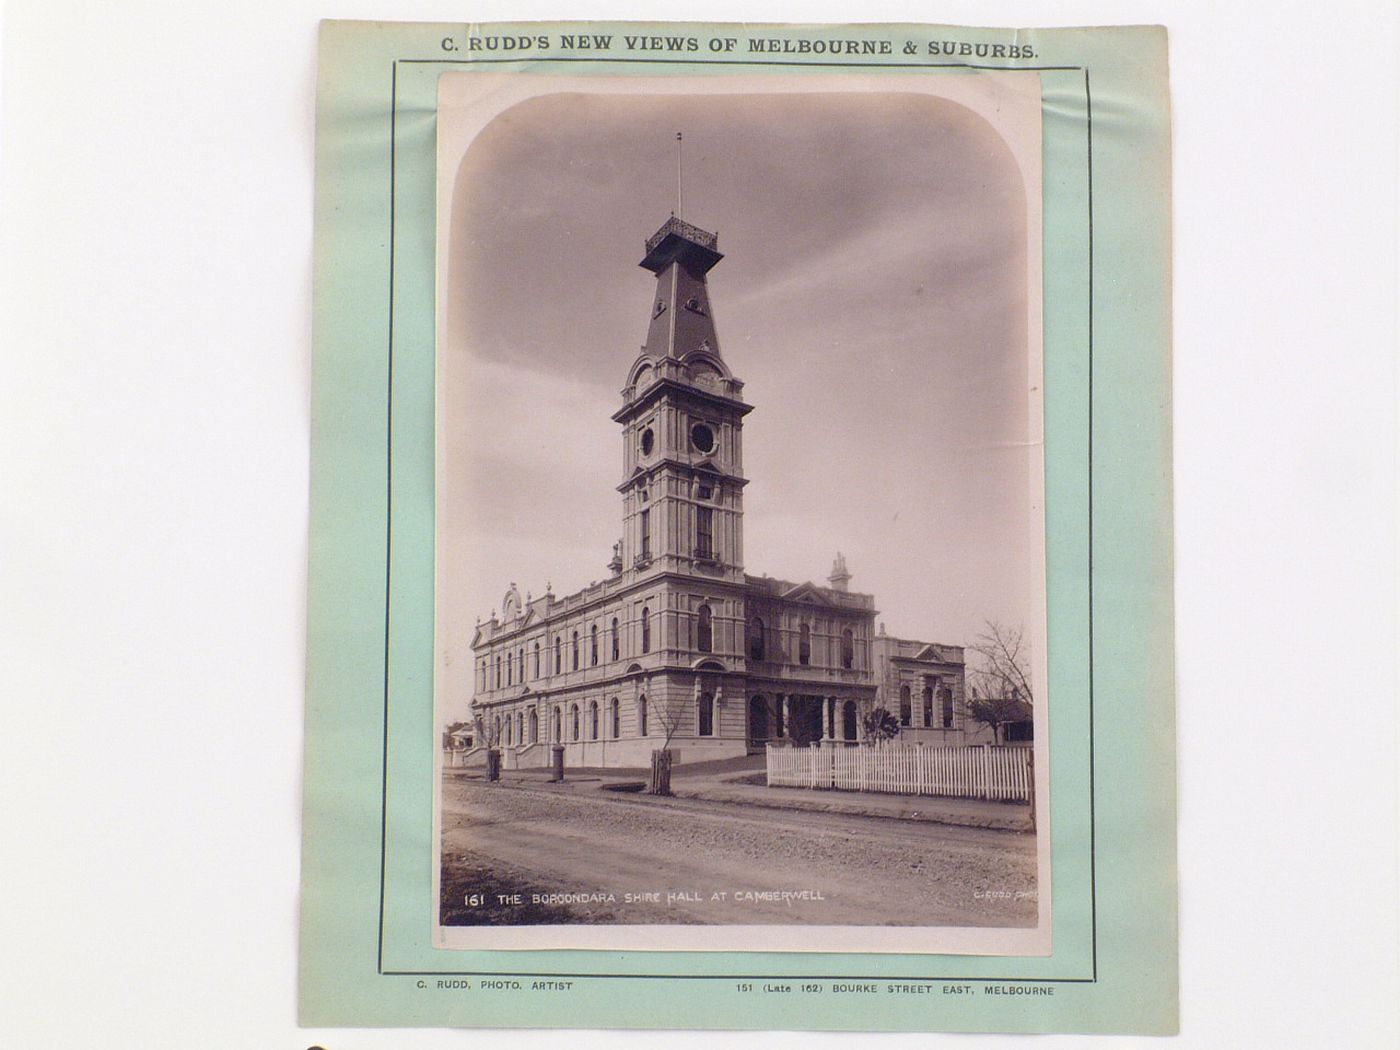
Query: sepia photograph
(740,579)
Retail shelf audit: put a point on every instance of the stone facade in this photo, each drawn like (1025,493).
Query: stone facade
(924,686)
(681,647)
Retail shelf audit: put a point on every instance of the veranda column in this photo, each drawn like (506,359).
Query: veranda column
(787,714)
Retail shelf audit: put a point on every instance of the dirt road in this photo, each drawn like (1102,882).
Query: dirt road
(685,861)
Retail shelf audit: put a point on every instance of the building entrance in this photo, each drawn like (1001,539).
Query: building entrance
(848,720)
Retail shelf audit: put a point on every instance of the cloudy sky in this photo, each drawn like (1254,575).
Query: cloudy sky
(872,298)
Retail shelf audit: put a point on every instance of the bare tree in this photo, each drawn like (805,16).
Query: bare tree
(1000,681)
(486,734)
(1003,664)
(489,733)
(670,716)
(670,713)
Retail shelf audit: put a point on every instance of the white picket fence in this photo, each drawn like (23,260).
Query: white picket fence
(1002,773)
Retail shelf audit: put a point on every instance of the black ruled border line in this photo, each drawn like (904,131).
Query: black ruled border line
(388,531)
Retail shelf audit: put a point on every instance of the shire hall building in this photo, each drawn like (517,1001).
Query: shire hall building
(680,647)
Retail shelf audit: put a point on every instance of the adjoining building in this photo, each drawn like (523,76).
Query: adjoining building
(680,646)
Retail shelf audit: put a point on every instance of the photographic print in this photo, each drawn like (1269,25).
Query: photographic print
(741,529)
(740,585)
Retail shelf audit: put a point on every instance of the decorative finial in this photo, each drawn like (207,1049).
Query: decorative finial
(679,210)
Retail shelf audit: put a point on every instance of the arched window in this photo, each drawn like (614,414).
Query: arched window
(537,659)
(804,644)
(509,726)
(520,662)
(614,719)
(534,726)
(704,631)
(641,716)
(906,715)
(756,639)
(558,735)
(593,645)
(573,718)
(707,714)
(575,650)
(946,695)
(497,734)
(646,629)
(848,649)
(557,665)
(510,664)
(520,727)
(498,670)
(616,645)
(593,720)
(928,704)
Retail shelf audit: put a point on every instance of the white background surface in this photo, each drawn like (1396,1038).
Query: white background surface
(156,233)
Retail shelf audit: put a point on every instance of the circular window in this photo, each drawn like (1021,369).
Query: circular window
(648,441)
(702,437)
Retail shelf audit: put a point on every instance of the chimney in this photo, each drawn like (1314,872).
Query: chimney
(840,578)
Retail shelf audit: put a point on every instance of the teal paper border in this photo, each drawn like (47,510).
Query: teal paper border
(370,738)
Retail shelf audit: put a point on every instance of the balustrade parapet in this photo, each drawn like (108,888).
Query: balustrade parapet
(681,228)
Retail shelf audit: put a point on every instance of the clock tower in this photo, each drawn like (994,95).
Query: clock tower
(682,424)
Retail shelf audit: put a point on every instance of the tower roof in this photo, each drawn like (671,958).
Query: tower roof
(681,319)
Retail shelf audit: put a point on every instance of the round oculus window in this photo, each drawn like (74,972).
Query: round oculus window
(702,437)
(648,441)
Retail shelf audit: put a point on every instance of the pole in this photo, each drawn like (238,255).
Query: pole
(678,176)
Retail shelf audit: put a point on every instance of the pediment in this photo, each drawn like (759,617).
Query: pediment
(938,654)
(808,594)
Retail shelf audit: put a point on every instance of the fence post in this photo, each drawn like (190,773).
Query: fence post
(1030,782)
